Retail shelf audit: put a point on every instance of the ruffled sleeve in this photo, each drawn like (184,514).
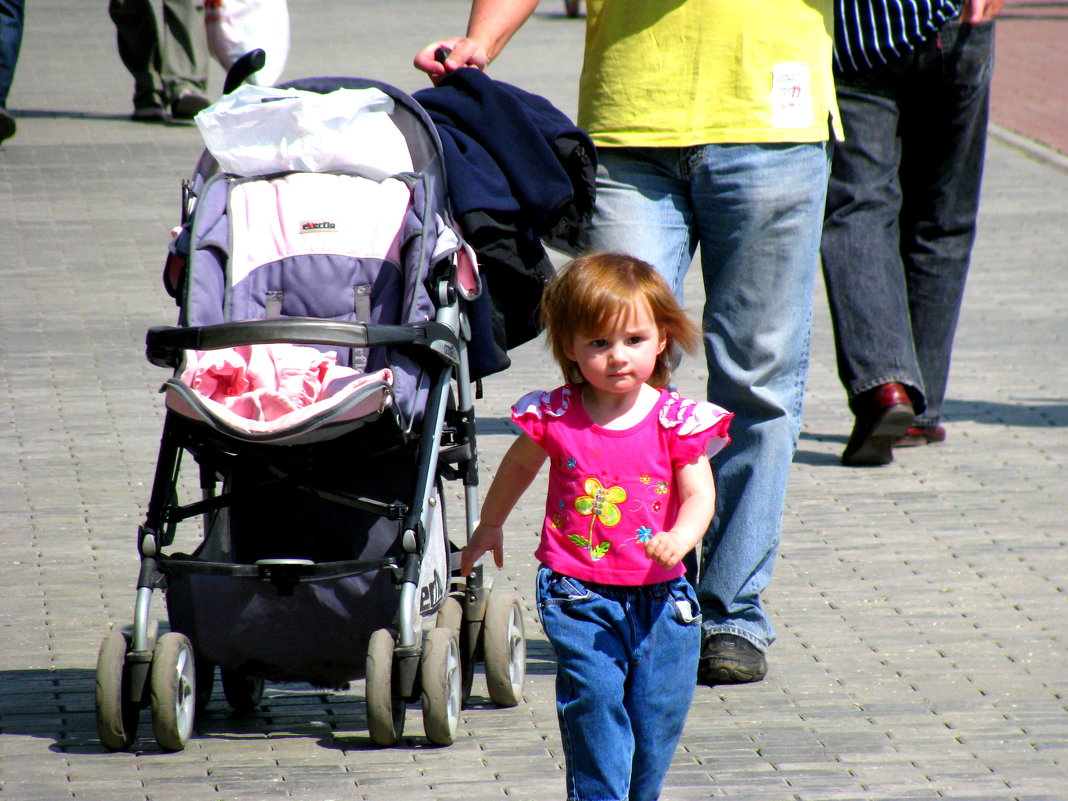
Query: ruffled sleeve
(533,410)
(700,427)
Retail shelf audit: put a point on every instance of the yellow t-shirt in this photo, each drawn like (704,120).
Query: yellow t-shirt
(678,73)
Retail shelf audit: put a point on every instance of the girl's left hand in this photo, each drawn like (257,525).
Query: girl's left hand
(667,549)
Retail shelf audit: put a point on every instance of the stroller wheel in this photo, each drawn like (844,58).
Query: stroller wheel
(439,667)
(243,692)
(173,680)
(505,648)
(385,708)
(451,616)
(116,715)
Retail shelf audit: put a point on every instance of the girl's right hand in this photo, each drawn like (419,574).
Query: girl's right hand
(462,52)
(485,538)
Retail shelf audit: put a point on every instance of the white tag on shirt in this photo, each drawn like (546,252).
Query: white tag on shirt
(791,95)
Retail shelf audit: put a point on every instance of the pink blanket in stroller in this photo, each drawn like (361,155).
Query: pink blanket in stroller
(280,384)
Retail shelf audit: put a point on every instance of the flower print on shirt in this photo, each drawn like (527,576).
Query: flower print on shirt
(599,503)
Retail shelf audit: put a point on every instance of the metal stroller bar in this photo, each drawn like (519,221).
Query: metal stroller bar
(164,344)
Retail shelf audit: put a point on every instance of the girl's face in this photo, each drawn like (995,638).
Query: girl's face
(621,358)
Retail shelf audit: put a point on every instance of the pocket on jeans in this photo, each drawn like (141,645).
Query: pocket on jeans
(560,590)
(684,602)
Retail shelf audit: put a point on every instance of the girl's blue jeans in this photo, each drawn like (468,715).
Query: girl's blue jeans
(626,670)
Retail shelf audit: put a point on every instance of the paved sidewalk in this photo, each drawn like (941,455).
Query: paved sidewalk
(922,608)
(1028,95)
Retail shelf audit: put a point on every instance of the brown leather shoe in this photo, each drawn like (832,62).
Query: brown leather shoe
(921,435)
(883,415)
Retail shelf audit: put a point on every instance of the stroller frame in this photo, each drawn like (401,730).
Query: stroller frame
(406,661)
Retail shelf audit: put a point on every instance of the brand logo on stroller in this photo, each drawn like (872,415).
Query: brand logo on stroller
(431,594)
(310,226)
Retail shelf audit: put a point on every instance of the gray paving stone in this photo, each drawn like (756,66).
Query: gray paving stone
(921,607)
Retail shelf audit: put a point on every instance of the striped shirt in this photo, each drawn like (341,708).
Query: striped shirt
(872,32)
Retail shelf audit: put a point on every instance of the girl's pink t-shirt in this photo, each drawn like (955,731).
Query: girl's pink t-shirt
(610,491)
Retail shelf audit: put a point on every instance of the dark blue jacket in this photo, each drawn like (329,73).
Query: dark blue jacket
(519,172)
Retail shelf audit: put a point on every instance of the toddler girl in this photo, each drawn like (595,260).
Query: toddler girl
(630,494)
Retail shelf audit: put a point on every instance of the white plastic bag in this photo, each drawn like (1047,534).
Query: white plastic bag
(258,130)
(234,27)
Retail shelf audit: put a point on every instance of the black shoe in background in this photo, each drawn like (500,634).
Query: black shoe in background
(7,124)
(148,114)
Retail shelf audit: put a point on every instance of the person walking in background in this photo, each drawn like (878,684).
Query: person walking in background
(12,14)
(711,120)
(169,62)
(913,82)
(630,494)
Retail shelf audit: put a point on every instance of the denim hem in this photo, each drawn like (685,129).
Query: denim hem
(908,382)
(708,629)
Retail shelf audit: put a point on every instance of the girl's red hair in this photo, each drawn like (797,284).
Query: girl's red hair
(593,292)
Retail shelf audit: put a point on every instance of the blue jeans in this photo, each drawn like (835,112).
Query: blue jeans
(756,211)
(901,209)
(626,670)
(12,13)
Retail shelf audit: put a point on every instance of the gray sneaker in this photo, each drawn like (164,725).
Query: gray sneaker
(730,659)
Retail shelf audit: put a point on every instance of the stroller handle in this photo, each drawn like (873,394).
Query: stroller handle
(166,344)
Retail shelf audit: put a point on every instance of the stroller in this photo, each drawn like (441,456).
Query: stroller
(321,387)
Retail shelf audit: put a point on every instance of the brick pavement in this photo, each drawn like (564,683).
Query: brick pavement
(1029,96)
(921,607)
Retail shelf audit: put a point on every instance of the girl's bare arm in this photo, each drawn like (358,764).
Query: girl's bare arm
(517,471)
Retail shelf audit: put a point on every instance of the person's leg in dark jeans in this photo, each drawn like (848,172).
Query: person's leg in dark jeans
(862,266)
(138,44)
(944,136)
